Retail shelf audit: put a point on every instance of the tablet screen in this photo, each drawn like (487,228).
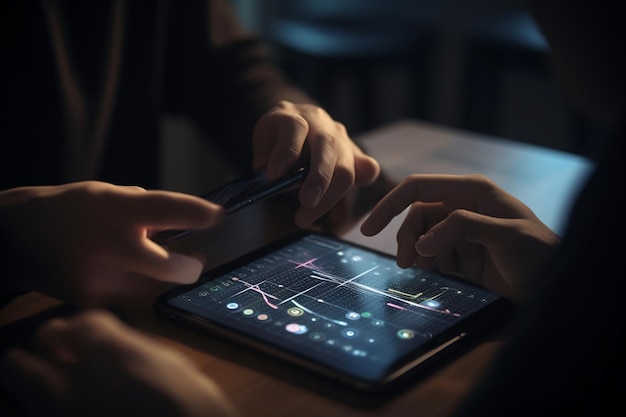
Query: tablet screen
(343,308)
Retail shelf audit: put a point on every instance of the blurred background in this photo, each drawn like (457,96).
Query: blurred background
(473,64)
(477,65)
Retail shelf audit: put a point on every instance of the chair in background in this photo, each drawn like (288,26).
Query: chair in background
(341,51)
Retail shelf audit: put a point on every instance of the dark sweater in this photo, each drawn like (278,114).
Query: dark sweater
(566,354)
(176,57)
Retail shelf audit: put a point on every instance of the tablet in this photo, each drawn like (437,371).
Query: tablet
(336,308)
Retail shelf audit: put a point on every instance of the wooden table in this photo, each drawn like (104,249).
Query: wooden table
(262,386)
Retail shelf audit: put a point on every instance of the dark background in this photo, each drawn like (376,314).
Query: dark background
(477,65)
(474,64)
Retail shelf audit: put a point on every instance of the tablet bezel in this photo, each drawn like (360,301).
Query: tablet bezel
(405,368)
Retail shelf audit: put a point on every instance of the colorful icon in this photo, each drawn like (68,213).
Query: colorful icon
(432,303)
(349,333)
(295,312)
(352,315)
(406,334)
(317,337)
(296,328)
(360,353)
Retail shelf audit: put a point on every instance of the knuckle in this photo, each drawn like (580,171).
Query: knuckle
(481,182)
(460,217)
(328,139)
(292,153)
(299,122)
(92,323)
(344,176)
(341,129)
(321,175)
(410,179)
(282,105)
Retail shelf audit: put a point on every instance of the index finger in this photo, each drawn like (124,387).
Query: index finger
(171,210)
(453,191)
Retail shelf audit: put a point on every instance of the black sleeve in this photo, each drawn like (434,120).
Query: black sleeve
(8,269)
(566,355)
(220,75)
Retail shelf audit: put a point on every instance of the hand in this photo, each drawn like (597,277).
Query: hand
(469,226)
(336,162)
(92,364)
(88,243)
